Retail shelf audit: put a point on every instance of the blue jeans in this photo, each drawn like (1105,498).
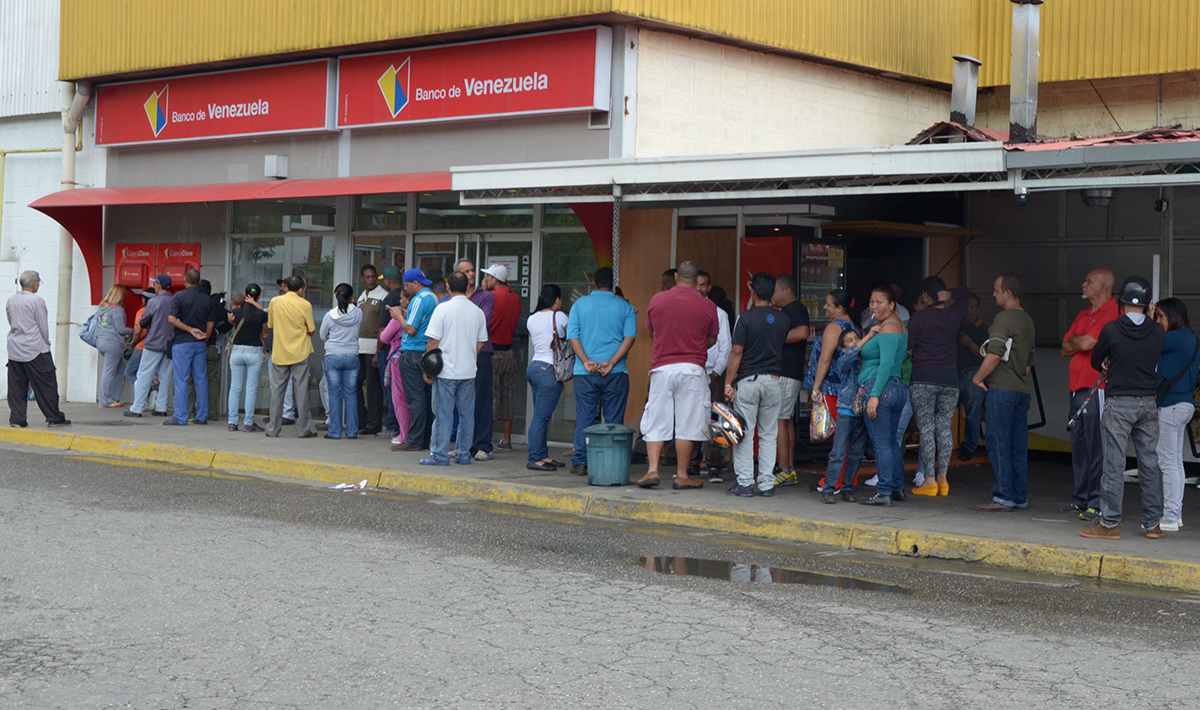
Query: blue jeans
(190,359)
(1008,445)
(245,368)
(849,443)
(546,391)
(341,376)
(971,399)
(889,458)
(609,394)
(450,396)
(131,366)
(154,363)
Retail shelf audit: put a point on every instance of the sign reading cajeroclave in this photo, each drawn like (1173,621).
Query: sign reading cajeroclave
(289,98)
(558,72)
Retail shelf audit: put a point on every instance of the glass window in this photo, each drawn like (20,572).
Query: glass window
(568,261)
(381,213)
(561,216)
(264,260)
(284,216)
(440,210)
(381,251)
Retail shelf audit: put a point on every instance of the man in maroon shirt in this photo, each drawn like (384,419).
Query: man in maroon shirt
(1087,450)
(684,325)
(502,326)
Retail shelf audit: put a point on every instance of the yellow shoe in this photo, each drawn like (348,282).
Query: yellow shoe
(943,489)
(929,488)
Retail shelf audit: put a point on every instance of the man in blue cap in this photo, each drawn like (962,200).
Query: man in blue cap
(416,390)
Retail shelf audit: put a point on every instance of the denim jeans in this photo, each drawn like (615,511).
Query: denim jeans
(419,398)
(483,403)
(245,368)
(1087,449)
(849,443)
(154,363)
(757,400)
(131,366)
(1123,418)
(608,394)
(450,396)
(341,374)
(190,360)
(971,399)
(889,458)
(546,391)
(1172,431)
(1008,445)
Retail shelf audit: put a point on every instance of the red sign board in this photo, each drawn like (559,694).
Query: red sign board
(559,72)
(290,98)
(175,259)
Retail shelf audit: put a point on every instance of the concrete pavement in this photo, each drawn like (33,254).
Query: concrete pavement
(1038,539)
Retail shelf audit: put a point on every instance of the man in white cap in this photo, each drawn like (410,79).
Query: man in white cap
(506,314)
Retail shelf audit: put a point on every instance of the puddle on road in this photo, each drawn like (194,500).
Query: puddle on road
(744,572)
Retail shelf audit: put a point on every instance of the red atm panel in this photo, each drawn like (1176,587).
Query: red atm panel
(134,267)
(175,259)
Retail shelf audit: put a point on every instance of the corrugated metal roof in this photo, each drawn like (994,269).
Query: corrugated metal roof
(29,57)
(1080,39)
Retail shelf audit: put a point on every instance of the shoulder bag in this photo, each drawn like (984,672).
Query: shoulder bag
(564,356)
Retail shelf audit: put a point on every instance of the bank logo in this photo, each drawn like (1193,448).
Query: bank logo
(156,110)
(394,85)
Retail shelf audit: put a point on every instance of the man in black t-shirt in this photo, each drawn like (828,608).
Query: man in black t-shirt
(755,362)
(791,376)
(191,315)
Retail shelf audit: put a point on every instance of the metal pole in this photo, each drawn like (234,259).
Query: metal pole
(66,250)
(616,236)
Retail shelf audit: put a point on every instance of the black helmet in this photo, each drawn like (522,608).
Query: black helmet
(431,362)
(1135,291)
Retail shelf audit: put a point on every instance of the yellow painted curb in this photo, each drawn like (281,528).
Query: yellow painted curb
(1012,555)
(874,538)
(1155,573)
(292,468)
(36,437)
(164,453)
(563,501)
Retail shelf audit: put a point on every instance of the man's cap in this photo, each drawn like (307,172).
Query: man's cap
(279,282)
(163,280)
(417,276)
(498,272)
(147,294)
(391,273)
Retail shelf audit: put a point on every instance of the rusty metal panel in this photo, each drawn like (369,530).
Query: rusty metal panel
(29,57)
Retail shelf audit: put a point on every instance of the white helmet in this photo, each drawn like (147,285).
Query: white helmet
(726,427)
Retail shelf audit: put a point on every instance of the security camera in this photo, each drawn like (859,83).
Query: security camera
(1022,196)
(1161,205)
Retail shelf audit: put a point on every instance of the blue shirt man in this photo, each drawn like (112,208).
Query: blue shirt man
(601,329)
(416,390)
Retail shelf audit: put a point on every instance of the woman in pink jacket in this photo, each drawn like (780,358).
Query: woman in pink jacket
(392,335)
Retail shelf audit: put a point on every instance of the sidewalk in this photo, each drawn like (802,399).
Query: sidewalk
(1038,539)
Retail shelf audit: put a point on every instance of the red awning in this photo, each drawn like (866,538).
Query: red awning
(81,212)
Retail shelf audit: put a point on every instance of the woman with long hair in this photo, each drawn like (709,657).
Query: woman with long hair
(246,357)
(546,322)
(821,376)
(1179,355)
(110,341)
(880,376)
(339,330)
(933,340)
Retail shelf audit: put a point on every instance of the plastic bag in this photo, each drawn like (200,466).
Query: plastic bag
(820,422)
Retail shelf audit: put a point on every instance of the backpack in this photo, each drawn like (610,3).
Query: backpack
(90,330)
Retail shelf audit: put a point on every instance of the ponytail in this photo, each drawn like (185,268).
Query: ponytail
(344,293)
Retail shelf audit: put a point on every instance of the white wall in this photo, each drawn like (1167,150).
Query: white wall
(29,239)
(701,98)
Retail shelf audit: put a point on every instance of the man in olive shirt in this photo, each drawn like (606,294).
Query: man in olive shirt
(290,319)
(1010,348)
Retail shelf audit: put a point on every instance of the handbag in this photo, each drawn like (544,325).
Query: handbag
(1165,385)
(820,422)
(860,403)
(564,356)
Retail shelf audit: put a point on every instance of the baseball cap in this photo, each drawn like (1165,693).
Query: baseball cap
(498,272)
(416,275)
(147,294)
(163,280)
(391,273)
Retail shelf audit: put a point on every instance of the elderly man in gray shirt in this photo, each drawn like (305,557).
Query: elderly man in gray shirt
(29,361)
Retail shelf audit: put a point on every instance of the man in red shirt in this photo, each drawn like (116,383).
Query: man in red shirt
(1087,451)
(684,325)
(503,327)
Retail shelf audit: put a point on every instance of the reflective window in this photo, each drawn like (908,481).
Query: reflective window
(284,216)
(440,210)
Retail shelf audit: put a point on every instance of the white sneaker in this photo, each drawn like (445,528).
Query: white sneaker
(1131,475)
(918,480)
(872,481)
(397,440)
(1171,526)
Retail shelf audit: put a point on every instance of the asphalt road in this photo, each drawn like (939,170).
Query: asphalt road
(147,587)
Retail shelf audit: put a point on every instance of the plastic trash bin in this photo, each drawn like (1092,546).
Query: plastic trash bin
(608,450)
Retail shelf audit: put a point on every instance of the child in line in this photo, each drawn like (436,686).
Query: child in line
(850,434)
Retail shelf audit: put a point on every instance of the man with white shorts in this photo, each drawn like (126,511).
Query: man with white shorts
(683,325)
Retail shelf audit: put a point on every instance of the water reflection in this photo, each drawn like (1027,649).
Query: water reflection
(758,574)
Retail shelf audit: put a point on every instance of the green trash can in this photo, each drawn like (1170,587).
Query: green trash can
(608,450)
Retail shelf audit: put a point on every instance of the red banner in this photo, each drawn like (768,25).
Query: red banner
(559,72)
(290,98)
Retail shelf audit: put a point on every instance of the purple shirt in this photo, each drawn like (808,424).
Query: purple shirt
(487,304)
